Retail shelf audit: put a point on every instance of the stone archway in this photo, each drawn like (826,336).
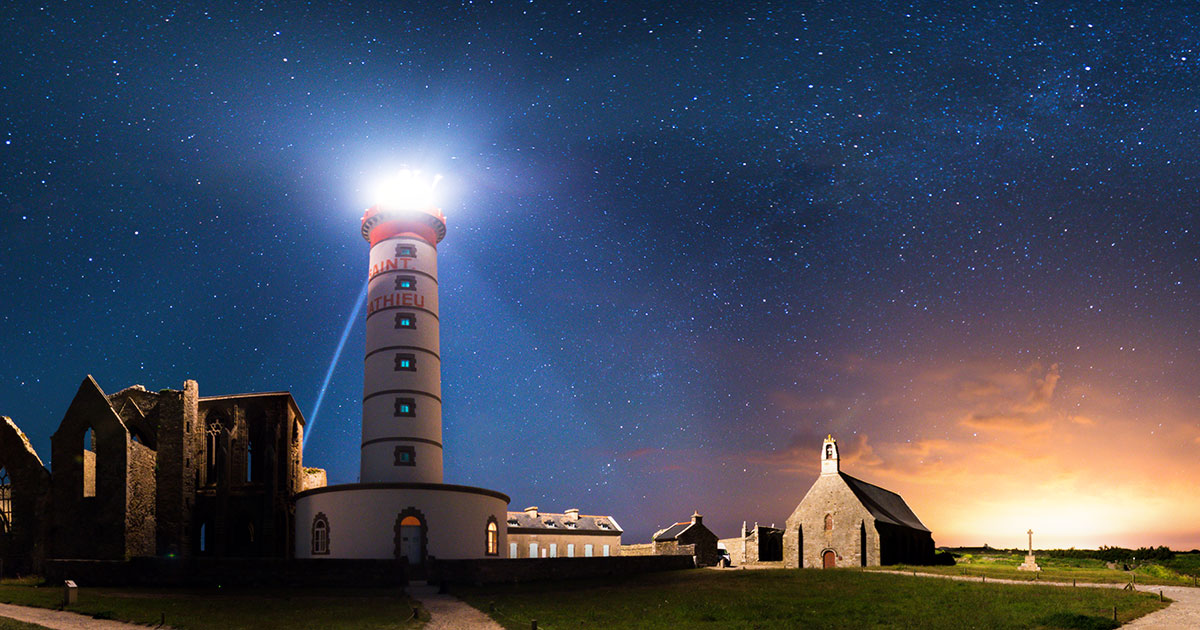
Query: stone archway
(412,536)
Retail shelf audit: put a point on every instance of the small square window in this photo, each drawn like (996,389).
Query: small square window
(406,456)
(406,362)
(406,283)
(406,408)
(406,251)
(406,320)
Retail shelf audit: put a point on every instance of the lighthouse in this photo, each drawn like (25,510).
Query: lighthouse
(402,385)
(401,508)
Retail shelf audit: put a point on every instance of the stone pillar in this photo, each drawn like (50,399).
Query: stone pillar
(402,394)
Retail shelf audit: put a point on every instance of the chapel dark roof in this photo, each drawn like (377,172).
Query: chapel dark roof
(884,505)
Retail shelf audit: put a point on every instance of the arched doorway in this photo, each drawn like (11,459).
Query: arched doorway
(411,536)
(829,559)
(410,539)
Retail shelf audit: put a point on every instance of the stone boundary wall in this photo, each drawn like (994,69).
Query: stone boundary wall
(512,570)
(153,571)
(669,548)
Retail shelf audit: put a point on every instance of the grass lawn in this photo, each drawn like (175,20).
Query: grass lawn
(839,598)
(227,609)
(1004,566)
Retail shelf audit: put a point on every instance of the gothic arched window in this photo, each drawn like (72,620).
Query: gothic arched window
(320,535)
(5,501)
(828,522)
(492,547)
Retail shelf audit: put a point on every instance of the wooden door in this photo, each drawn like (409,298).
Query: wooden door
(830,559)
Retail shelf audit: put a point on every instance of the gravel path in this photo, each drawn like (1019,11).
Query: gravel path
(449,613)
(63,620)
(1182,614)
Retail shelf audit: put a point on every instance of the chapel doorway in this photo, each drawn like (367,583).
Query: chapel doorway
(830,559)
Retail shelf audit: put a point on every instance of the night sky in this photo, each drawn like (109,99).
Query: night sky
(685,243)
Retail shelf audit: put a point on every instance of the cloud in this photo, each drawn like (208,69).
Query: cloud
(1011,402)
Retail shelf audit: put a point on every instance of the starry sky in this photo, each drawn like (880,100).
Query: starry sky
(685,242)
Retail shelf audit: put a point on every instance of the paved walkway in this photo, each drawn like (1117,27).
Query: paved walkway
(63,620)
(448,612)
(1182,614)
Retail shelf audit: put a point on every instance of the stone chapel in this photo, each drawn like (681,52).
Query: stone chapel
(847,522)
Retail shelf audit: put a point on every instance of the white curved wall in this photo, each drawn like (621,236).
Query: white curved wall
(362,521)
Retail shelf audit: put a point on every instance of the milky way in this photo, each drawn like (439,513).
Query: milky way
(684,244)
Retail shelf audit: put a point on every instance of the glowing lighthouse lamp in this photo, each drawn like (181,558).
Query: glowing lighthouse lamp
(401,508)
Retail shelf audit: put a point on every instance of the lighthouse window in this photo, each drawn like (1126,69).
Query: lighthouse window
(406,362)
(320,535)
(405,456)
(492,537)
(406,283)
(406,407)
(406,251)
(406,320)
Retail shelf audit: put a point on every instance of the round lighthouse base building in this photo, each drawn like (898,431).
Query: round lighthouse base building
(413,521)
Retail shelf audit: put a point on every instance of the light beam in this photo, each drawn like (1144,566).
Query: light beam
(337,354)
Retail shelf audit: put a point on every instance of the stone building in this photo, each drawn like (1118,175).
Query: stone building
(534,534)
(168,473)
(24,497)
(703,541)
(756,544)
(844,521)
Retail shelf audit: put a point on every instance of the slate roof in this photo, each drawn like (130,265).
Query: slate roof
(672,532)
(884,505)
(547,521)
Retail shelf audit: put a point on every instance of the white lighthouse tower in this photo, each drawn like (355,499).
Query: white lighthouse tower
(401,508)
(402,392)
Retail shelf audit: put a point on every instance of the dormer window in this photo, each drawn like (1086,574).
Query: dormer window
(513,522)
(572,525)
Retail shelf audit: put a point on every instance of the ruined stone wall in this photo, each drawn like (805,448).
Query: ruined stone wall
(140,523)
(830,495)
(177,463)
(89,527)
(24,545)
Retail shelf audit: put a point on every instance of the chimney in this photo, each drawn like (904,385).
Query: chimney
(531,511)
(572,515)
(697,519)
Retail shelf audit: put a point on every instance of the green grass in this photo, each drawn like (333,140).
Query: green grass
(229,609)
(839,598)
(1004,566)
(1185,563)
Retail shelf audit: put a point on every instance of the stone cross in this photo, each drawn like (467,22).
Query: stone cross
(1031,542)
